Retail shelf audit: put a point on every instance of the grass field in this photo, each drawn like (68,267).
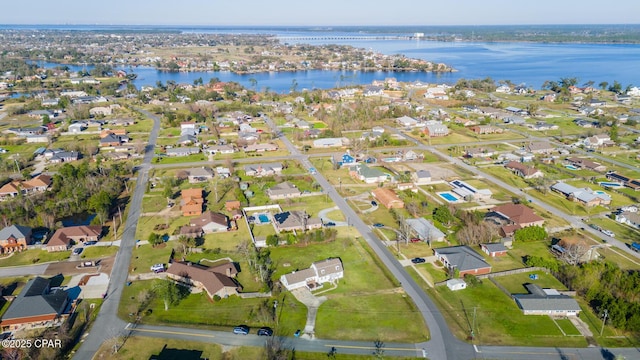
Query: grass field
(97,252)
(144,256)
(515,283)
(35,256)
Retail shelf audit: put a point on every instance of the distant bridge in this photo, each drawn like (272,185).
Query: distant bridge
(350,38)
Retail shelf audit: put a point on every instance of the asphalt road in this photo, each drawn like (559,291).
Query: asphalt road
(107,324)
(23,270)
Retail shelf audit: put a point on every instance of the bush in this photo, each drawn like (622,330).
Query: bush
(472,280)
(216,298)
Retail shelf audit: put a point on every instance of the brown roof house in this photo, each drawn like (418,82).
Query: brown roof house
(39,183)
(388,198)
(525,172)
(63,238)
(14,238)
(211,222)
(217,280)
(191,202)
(328,270)
(518,214)
(36,306)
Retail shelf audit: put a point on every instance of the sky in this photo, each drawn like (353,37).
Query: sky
(319,13)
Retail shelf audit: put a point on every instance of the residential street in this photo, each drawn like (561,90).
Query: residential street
(107,324)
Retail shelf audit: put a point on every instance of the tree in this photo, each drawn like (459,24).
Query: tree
(616,87)
(603,85)
(186,243)
(443,215)
(155,239)
(530,233)
(168,291)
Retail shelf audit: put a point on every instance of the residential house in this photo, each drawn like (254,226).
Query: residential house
(50,102)
(486,129)
(479,152)
(372,90)
(518,214)
(198,175)
(543,126)
(468,192)
(388,198)
(191,202)
(77,127)
(65,237)
(463,260)
(36,306)
(260,170)
(220,149)
(295,220)
(32,139)
(40,114)
(584,123)
(110,140)
(182,151)
(425,230)
(436,130)
(122,122)
(347,160)
(586,164)
(223,172)
(260,147)
(456,284)
(285,190)
(215,281)
(625,217)
(421,177)
(407,122)
(539,147)
(369,175)
(598,141)
(37,184)
(191,231)
(14,238)
(494,249)
(585,196)
(211,222)
(437,93)
(320,272)
(525,172)
(546,302)
(64,156)
(187,139)
(330,142)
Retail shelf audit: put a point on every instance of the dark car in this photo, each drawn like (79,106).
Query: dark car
(241,330)
(265,331)
(77,251)
(373,203)
(378,225)
(297,333)
(89,243)
(415,240)
(330,223)
(418,260)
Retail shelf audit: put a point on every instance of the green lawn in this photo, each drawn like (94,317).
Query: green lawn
(179,159)
(498,320)
(515,283)
(153,203)
(505,175)
(97,252)
(227,241)
(144,256)
(35,256)
(623,232)
(567,327)
(146,225)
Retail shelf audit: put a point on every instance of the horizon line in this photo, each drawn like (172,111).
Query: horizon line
(321,25)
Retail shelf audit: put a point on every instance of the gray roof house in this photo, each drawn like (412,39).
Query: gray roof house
(283,191)
(295,220)
(464,259)
(328,270)
(259,170)
(426,230)
(202,174)
(546,302)
(36,306)
(183,151)
(421,177)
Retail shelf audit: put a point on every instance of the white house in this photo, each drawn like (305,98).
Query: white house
(320,272)
(456,284)
(406,121)
(330,142)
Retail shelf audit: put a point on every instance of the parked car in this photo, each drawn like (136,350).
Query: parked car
(297,333)
(415,240)
(330,223)
(89,243)
(241,330)
(378,225)
(157,268)
(77,251)
(608,232)
(418,260)
(373,203)
(265,331)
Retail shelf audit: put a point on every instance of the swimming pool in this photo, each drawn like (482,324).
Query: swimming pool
(600,192)
(610,184)
(263,218)
(571,167)
(448,196)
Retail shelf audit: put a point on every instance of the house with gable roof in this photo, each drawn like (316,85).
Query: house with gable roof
(191,202)
(463,259)
(320,272)
(36,306)
(14,238)
(218,280)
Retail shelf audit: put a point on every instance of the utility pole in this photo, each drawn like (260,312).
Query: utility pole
(604,320)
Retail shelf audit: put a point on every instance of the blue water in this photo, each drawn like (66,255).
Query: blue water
(609,184)
(263,218)
(448,196)
(527,63)
(571,167)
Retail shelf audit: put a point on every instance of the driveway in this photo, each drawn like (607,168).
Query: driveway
(313,303)
(23,270)
(323,216)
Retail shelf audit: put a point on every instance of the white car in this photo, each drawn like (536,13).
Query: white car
(157,268)
(608,232)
